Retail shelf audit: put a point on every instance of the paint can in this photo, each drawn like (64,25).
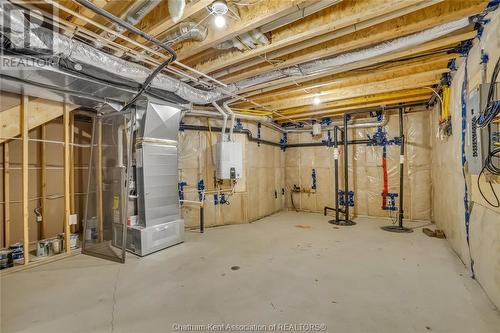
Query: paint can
(17,251)
(6,259)
(43,248)
(73,241)
(55,245)
(91,230)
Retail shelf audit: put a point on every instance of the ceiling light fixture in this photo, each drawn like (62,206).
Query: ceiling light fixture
(316,99)
(220,21)
(219,9)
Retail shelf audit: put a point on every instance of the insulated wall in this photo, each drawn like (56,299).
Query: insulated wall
(365,170)
(257,194)
(449,182)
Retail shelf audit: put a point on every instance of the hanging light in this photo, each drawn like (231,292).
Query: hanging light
(316,99)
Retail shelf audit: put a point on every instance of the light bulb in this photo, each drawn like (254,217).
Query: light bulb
(220,21)
(316,99)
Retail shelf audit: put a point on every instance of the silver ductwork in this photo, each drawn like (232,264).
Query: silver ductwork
(83,56)
(246,41)
(316,66)
(186,31)
(134,15)
(176,9)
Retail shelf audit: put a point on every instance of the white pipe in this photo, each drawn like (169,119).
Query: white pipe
(231,113)
(224,115)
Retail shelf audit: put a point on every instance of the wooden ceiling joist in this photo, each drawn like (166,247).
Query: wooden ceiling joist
(419,49)
(395,28)
(343,19)
(407,82)
(356,102)
(364,105)
(361,76)
(251,17)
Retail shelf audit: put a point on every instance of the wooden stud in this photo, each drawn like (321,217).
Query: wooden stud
(99,179)
(72,167)
(41,112)
(67,167)
(6,192)
(25,158)
(43,156)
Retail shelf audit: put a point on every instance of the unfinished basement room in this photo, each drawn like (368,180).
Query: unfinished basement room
(250,166)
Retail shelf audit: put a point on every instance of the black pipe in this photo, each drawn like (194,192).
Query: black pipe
(128,26)
(400,228)
(336,165)
(327,208)
(202,220)
(185,127)
(346,171)
(401,167)
(250,137)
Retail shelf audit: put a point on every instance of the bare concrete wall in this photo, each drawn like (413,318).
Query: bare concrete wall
(448,181)
(257,194)
(365,170)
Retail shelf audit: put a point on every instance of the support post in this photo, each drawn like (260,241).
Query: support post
(72,167)
(43,156)
(67,166)
(400,228)
(336,156)
(25,156)
(99,179)
(6,193)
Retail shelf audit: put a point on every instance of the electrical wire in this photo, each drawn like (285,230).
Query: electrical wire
(497,205)
(492,107)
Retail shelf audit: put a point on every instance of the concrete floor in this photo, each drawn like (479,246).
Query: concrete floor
(294,268)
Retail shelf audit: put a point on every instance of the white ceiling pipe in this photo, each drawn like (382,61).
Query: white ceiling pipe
(231,113)
(224,115)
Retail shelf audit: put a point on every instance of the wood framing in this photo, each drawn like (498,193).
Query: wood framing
(24,116)
(98,170)
(251,18)
(67,166)
(43,175)
(343,19)
(6,193)
(41,111)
